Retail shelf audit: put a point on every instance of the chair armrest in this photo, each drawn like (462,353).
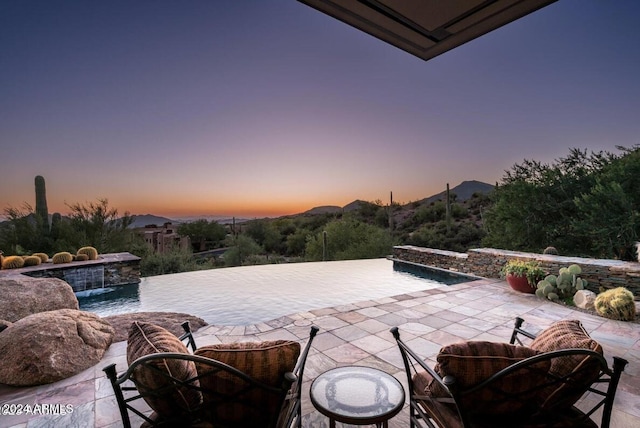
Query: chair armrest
(188,336)
(518,330)
(410,360)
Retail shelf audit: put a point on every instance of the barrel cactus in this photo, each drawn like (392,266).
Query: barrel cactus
(43,257)
(91,252)
(550,251)
(32,261)
(62,257)
(564,285)
(12,262)
(616,304)
(81,257)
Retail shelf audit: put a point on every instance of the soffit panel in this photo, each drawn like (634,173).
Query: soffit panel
(427,28)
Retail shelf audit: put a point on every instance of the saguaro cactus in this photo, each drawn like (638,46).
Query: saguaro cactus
(41,203)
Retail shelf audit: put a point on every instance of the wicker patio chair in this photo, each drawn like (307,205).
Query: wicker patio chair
(485,384)
(184,389)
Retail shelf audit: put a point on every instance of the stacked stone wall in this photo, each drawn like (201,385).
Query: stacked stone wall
(108,270)
(487,262)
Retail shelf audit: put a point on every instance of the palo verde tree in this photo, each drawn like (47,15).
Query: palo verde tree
(100,226)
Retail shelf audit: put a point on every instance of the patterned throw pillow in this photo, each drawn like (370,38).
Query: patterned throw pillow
(473,362)
(266,362)
(581,370)
(146,338)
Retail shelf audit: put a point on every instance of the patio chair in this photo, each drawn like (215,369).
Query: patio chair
(248,384)
(485,384)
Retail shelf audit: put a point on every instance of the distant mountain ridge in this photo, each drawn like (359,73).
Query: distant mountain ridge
(150,219)
(142,220)
(463,191)
(333,209)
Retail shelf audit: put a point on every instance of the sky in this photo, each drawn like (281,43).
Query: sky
(267,108)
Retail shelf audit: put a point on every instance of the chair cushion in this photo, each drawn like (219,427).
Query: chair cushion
(266,362)
(581,369)
(473,362)
(146,338)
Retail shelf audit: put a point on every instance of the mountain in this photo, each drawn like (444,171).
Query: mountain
(463,191)
(147,219)
(353,206)
(334,209)
(210,218)
(324,209)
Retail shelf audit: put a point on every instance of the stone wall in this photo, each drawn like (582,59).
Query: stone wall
(487,262)
(108,271)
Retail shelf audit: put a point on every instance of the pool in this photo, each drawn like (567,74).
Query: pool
(253,294)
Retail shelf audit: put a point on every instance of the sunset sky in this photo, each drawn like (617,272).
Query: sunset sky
(265,108)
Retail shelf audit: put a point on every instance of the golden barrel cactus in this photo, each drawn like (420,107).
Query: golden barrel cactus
(616,304)
(62,257)
(32,261)
(91,252)
(12,262)
(43,256)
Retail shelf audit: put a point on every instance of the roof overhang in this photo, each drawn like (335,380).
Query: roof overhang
(427,28)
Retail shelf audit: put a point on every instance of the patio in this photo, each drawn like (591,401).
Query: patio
(358,334)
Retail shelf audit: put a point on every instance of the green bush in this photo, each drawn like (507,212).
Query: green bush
(349,239)
(174,261)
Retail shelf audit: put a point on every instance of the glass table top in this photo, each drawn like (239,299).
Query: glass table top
(357,394)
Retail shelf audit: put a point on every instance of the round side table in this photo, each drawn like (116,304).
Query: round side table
(357,395)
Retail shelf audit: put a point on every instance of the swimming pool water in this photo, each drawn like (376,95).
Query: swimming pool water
(252,294)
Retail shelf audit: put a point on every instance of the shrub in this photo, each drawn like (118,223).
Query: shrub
(91,252)
(12,262)
(62,257)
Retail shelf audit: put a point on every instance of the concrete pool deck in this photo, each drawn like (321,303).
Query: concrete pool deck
(358,334)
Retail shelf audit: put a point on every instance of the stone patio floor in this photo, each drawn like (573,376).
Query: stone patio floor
(358,334)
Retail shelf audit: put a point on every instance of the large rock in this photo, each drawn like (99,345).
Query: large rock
(168,320)
(23,295)
(49,346)
(584,299)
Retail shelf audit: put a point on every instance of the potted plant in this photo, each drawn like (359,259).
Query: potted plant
(522,275)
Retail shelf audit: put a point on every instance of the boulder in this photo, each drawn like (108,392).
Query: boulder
(23,295)
(584,299)
(49,346)
(171,321)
